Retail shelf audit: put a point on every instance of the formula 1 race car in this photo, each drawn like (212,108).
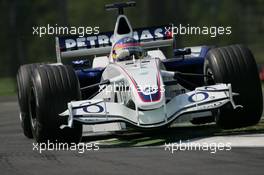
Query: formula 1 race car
(132,84)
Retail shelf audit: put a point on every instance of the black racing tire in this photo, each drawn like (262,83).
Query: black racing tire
(23,87)
(235,64)
(52,88)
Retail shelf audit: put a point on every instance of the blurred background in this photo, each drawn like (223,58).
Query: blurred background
(19,46)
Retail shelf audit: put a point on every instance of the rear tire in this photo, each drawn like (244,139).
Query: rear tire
(52,88)
(23,87)
(235,64)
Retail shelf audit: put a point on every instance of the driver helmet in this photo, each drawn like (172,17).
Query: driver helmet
(126,48)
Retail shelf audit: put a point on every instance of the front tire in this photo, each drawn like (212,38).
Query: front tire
(235,64)
(52,88)
(23,86)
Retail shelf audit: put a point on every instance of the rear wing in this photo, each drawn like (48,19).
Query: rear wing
(75,46)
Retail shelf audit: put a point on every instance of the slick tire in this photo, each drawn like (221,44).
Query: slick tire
(236,65)
(52,88)
(23,88)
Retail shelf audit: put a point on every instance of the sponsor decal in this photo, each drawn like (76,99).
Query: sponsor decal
(92,108)
(199,96)
(75,42)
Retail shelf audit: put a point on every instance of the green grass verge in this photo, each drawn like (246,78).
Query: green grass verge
(7,86)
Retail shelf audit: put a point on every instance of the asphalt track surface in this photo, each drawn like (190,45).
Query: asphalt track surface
(18,157)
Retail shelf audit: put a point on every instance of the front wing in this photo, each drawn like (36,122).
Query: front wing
(97,111)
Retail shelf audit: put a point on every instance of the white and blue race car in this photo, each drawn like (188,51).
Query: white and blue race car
(125,80)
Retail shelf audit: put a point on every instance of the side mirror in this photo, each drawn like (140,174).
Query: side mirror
(182,52)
